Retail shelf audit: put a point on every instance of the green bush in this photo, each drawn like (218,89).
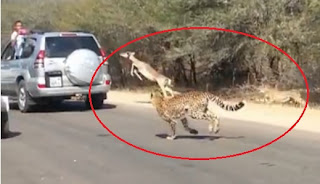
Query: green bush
(198,58)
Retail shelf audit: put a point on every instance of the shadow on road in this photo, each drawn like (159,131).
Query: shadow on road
(103,135)
(66,106)
(11,135)
(209,137)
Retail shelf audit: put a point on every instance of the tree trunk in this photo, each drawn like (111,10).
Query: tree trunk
(193,73)
(180,72)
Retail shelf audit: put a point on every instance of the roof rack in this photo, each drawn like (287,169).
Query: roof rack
(81,31)
(36,31)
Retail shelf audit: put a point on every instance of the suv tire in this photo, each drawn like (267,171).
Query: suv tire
(97,101)
(24,99)
(80,66)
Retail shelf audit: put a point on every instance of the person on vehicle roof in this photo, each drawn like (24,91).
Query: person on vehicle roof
(17,37)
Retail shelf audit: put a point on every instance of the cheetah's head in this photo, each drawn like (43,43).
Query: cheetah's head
(156,97)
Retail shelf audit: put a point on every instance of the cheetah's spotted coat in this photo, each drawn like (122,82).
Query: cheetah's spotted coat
(193,104)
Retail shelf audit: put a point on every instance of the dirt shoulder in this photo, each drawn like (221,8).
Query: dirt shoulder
(276,115)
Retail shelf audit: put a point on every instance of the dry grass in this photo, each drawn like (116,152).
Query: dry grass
(271,114)
(248,93)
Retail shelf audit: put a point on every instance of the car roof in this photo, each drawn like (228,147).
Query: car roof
(53,34)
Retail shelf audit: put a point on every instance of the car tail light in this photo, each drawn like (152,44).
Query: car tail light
(108,82)
(41,86)
(103,54)
(39,63)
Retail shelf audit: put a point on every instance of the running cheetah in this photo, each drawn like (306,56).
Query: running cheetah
(193,104)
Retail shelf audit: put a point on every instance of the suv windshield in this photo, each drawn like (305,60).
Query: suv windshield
(63,46)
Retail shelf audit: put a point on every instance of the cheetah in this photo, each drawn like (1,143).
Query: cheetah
(192,104)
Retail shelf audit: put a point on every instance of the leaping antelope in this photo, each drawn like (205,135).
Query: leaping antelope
(148,72)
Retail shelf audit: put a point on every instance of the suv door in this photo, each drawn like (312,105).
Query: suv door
(12,68)
(6,57)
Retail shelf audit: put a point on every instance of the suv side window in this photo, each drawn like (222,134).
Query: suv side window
(28,47)
(8,53)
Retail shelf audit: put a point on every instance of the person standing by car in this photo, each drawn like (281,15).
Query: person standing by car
(16,37)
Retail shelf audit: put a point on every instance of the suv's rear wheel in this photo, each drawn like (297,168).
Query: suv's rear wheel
(24,99)
(97,101)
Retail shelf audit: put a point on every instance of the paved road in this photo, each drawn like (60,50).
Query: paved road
(67,145)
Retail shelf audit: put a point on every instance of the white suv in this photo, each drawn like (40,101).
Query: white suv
(55,66)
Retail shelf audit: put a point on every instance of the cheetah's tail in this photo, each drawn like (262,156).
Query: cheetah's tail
(228,107)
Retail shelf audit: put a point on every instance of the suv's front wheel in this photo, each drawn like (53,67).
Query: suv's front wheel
(97,101)
(24,99)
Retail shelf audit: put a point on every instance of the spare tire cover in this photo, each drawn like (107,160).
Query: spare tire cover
(80,66)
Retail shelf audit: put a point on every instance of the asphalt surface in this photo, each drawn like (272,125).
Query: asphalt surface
(68,145)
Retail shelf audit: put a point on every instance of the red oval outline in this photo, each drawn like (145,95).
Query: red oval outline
(199,158)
